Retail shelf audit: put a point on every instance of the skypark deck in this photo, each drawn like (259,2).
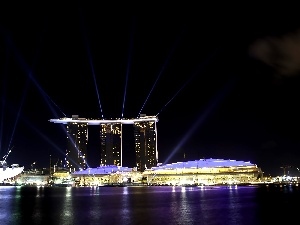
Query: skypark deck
(103,121)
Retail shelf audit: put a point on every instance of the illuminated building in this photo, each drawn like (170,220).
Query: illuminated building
(145,144)
(111,144)
(77,138)
(111,140)
(105,175)
(202,172)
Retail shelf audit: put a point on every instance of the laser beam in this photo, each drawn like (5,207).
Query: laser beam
(214,103)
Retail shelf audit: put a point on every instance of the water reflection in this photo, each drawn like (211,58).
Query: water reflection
(234,215)
(126,204)
(6,203)
(131,205)
(184,208)
(66,215)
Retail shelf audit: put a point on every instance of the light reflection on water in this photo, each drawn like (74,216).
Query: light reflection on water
(136,205)
(66,213)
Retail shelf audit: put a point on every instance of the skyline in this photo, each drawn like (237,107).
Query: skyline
(219,90)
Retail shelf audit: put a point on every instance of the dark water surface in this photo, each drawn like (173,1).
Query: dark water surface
(148,205)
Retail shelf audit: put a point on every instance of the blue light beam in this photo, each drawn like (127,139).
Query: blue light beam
(51,142)
(18,114)
(46,97)
(199,68)
(160,73)
(29,72)
(3,98)
(214,103)
(31,77)
(90,62)
(128,66)
(45,137)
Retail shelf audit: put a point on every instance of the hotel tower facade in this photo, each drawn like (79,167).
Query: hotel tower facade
(77,138)
(145,135)
(145,145)
(111,144)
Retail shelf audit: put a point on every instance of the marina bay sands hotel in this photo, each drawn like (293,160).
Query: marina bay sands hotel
(145,136)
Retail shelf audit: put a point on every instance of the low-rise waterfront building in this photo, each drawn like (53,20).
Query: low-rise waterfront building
(198,172)
(204,172)
(106,175)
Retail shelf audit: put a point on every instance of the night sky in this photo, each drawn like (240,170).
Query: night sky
(224,84)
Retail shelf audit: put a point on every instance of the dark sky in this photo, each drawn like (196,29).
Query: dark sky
(224,83)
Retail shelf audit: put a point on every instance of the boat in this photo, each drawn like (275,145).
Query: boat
(9,171)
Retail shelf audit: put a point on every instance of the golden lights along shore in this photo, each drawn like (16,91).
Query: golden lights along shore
(203,171)
(197,172)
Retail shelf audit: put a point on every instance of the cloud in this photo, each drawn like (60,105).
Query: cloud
(281,53)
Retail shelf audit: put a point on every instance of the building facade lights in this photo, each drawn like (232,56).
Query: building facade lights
(111,140)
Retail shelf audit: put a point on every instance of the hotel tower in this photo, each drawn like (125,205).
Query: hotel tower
(77,138)
(145,135)
(111,144)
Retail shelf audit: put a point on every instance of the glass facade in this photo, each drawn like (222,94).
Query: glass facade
(111,144)
(145,145)
(145,134)
(77,138)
